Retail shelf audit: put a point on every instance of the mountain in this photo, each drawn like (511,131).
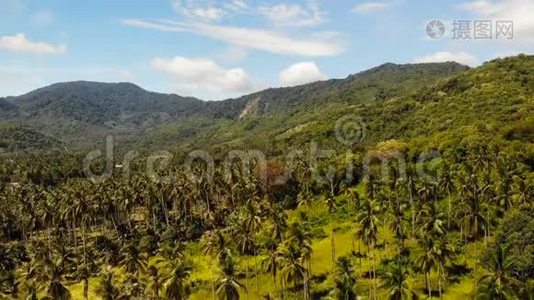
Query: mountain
(433,106)
(13,138)
(76,111)
(81,113)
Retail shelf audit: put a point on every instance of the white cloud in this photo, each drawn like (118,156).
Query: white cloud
(237,5)
(20,44)
(294,14)
(253,38)
(281,14)
(518,11)
(199,73)
(445,56)
(370,7)
(300,73)
(151,25)
(269,41)
(206,10)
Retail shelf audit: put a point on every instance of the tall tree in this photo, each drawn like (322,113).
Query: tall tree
(368,222)
(344,280)
(396,280)
(498,282)
(228,285)
(175,286)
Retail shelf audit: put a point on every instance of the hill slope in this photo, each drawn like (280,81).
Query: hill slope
(80,113)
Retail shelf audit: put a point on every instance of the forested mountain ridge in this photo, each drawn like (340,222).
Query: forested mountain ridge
(81,113)
(494,100)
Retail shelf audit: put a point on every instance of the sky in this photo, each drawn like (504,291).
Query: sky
(220,49)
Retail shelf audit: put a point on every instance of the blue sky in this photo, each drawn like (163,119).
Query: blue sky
(219,49)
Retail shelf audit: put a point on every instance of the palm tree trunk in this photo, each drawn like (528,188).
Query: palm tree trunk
(412,208)
(153,220)
(48,235)
(283,287)
(129,222)
(449,213)
(274,283)
(165,212)
(439,281)
(306,286)
(86,288)
(428,285)
(488,226)
(74,233)
(84,243)
(360,252)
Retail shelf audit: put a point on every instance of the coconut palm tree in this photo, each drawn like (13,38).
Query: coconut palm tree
(426,258)
(524,190)
(345,280)
(175,286)
(246,245)
(446,186)
(83,273)
(395,280)
(271,260)
(445,253)
(106,287)
(278,219)
(471,204)
(216,244)
(498,282)
(506,170)
(156,280)
(52,275)
(432,219)
(133,286)
(228,285)
(133,259)
(293,264)
(300,237)
(31,290)
(397,223)
(368,231)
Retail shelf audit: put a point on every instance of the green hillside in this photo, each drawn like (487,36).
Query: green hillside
(83,113)
(17,138)
(400,182)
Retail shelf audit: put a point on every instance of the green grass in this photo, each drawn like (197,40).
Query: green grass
(206,269)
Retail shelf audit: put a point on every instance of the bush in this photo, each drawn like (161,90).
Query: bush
(517,232)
